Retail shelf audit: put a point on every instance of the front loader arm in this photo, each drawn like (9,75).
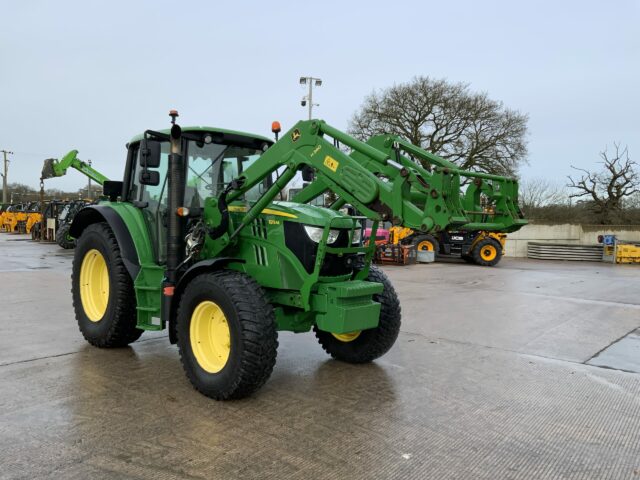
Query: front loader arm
(387,199)
(57,168)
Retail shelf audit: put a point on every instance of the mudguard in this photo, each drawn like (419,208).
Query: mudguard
(209,265)
(103,213)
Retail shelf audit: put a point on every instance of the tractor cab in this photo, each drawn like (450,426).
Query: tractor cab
(213,158)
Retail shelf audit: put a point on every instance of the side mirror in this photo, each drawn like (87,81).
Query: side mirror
(149,177)
(307,173)
(149,153)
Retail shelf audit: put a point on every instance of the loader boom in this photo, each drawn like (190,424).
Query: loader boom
(380,182)
(382,199)
(57,168)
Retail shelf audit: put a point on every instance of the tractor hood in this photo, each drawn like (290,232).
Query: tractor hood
(302,213)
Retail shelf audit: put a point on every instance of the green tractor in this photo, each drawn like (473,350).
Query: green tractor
(193,241)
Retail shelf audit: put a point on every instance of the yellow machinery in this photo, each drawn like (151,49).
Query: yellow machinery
(33,218)
(628,253)
(619,251)
(3,215)
(480,247)
(19,218)
(10,218)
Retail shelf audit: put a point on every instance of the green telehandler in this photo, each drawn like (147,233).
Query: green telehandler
(57,168)
(193,241)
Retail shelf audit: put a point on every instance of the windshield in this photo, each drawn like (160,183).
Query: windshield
(212,166)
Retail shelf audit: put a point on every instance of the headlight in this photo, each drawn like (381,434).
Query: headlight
(315,234)
(357,236)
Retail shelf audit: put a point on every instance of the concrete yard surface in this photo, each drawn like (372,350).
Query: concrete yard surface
(492,377)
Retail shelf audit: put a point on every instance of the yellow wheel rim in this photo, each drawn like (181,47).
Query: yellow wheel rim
(488,253)
(94,285)
(210,336)
(425,245)
(347,337)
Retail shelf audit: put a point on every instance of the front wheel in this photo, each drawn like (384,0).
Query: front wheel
(226,334)
(366,345)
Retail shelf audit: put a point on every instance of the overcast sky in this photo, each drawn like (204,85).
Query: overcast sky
(90,75)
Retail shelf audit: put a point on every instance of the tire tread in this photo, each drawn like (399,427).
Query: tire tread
(259,334)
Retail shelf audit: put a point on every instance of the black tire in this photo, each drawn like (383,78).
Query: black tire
(117,327)
(253,338)
(417,240)
(372,343)
(480,252)
(63,238)
(35,232)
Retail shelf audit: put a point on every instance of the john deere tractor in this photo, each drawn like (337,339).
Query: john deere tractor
(192,240)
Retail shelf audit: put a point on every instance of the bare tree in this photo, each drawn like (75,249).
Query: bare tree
(608,188)
(633,201)
(466,128)
(541,192)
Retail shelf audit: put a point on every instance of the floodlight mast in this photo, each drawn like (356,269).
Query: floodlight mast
(308,99)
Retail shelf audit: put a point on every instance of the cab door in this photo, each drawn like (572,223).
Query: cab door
(152,199)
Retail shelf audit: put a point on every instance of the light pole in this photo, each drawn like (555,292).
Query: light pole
(308,99)
(4,175)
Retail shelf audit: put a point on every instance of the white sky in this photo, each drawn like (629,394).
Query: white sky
(90,75)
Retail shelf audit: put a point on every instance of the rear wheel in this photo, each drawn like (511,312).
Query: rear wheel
(364,346)
(426,242)
(63,238)
(102,290)
(487,252)
(226,335)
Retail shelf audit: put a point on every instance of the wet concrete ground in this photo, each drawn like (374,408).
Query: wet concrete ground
(489,379)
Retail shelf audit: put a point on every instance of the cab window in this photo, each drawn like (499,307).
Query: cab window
(210,168)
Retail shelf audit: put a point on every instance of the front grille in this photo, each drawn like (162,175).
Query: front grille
(260,255)
(259,227)
(305,249)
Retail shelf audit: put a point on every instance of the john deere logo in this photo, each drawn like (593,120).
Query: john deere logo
(295,135)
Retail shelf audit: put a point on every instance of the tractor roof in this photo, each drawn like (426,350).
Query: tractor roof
(137,138)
